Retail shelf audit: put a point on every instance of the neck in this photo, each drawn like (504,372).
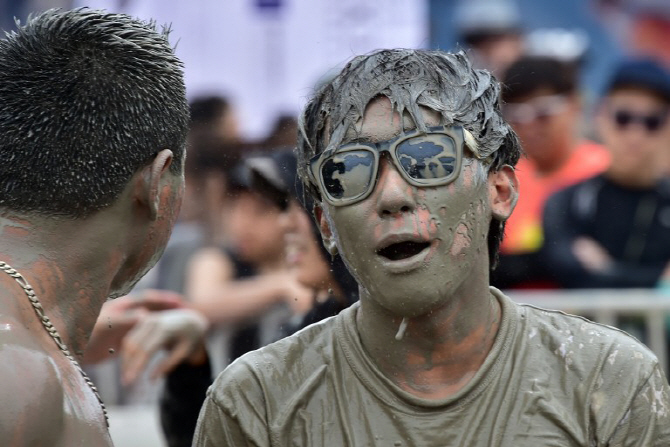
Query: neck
(71,268)
(638,180)
(439,351)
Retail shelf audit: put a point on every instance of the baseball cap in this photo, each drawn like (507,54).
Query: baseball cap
(641,73)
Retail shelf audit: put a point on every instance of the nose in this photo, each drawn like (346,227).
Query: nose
(393,195)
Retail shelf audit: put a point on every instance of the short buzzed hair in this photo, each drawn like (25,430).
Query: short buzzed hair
(87,98)
(444,82)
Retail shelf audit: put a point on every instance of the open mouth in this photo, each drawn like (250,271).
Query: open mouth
(403,250)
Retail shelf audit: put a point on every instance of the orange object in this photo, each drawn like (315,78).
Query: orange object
(523,232)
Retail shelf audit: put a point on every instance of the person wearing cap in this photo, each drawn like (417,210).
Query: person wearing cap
(410,165)
(188,367)
(610,230)
(492,31)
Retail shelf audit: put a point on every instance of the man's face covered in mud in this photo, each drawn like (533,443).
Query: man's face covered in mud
(420,230)
(410,246)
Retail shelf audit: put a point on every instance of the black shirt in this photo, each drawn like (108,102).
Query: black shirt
(632,225)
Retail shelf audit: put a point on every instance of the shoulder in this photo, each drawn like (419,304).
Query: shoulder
(606,355)
(295,361)
(32,394)
(210,255)
(585,371)
(579,197)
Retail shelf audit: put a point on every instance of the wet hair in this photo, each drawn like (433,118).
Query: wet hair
(532,73)
(444,82)
(87,98)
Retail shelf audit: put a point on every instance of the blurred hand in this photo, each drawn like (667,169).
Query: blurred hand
(591,254)
(118,316)
(181,332)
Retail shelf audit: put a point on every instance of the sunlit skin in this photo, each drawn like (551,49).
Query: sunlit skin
(444,290)
(75,265)
(254,230)
(639,157)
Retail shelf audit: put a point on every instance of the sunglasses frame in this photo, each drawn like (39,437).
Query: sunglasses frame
(538,108)
(455,133)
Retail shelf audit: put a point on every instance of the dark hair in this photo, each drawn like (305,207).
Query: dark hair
(86,99)
(641,73)
(206,110)
(444,82)
(532,73)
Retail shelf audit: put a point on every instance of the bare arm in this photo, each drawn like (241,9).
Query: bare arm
(214,292)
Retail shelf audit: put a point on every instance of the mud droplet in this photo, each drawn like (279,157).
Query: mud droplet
(401,329)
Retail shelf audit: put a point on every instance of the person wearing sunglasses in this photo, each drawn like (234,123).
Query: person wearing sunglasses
(541,102)
(410,165)
(611,229)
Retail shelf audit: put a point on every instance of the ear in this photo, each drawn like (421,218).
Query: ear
(152,178)
(324,228)
(503,192)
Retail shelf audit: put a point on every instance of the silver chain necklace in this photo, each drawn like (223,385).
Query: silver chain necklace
(46,322)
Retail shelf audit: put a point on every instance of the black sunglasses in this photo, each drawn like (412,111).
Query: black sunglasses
(651,122)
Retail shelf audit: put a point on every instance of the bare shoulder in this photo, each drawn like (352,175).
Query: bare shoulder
(31,393)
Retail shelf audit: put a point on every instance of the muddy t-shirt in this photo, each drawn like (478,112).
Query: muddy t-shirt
(551,379)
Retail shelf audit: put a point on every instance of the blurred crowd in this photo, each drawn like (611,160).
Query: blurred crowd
(245,265)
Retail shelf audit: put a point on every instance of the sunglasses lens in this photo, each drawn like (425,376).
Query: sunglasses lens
(653,122)
(348,175)
(428,157)
(622,118)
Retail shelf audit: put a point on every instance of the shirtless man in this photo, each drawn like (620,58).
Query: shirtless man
(93,120)
(411,167)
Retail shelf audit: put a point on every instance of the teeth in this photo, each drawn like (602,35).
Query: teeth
(403,250)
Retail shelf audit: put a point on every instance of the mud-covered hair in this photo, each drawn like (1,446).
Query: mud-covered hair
(86,99)
(444,82)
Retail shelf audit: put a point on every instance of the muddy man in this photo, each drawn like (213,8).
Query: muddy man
(411,166)
(93,121)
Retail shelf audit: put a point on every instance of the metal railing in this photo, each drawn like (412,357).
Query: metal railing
(606,306)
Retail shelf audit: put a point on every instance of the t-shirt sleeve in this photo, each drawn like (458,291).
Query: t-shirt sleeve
(647,421)
(216,428)
(233,413)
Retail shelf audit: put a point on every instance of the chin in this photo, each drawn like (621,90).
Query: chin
(405,297)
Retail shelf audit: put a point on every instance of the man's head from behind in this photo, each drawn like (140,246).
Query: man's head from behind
(93,118)
(431,118)
(633,122)
(86,99)
(541,103)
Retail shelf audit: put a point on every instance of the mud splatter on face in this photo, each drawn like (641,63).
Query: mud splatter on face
(411,79)
(401,244)
(443,82)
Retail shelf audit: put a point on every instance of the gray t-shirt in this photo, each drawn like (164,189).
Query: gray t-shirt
(550,379)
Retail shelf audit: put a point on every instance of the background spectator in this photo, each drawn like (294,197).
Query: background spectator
(543,106)
(612,230)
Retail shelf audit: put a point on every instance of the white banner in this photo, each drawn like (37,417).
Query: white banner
(266,55)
